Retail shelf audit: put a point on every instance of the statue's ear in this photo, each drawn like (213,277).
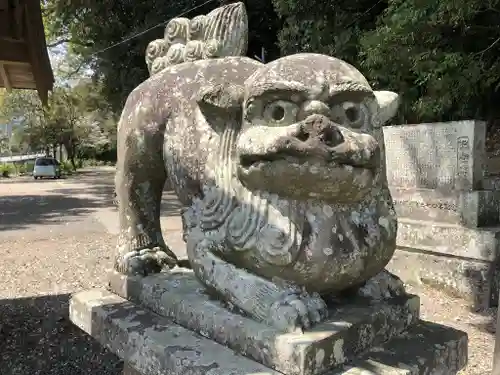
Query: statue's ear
(221,103)
(388,103)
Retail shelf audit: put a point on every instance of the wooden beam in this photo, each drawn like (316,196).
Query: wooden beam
(37,49)
(5,78)
(15,63)
(12,50)
(18,16)
(5,18)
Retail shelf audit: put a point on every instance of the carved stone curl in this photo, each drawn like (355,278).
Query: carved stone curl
(177,31)
(222,32)
(155,49)
(194,50)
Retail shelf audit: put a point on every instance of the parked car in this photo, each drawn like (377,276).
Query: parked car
(46,167)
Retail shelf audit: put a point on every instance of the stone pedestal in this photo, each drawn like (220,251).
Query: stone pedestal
(448,220)
(167,324)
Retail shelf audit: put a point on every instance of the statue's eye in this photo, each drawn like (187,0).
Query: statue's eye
(350,114)
(281,112)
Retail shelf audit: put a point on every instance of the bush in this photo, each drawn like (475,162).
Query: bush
(7,169)
(21,168)
(29,166)
(66,167)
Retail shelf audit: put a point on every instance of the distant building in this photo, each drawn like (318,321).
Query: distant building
(8,129)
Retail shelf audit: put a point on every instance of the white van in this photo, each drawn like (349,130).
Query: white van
(46,167)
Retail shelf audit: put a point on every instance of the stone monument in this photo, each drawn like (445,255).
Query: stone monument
(288,221)
(448,215)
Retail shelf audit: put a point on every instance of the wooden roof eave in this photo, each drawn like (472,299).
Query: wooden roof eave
(24,59)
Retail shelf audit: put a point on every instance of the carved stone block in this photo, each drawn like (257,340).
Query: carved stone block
(353,326)
(449,156)
(151,344)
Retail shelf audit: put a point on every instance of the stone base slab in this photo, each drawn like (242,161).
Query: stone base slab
(129,370)
(472,209)
(351,328)
(154,345)
(426,348)
(454,240)
(466,278)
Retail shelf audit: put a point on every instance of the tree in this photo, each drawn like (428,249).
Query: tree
(74,118)
(91,26)
(4,145)
(443,57)
(326,27)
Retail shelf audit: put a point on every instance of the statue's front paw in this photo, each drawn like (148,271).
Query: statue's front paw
(385,285)
(297,311)
(146,261)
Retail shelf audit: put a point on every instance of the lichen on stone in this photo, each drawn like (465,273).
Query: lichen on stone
(280,168)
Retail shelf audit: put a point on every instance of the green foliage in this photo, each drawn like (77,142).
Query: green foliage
(29,166)
(21,168)
(443,57)
(323,27)
(7,170)
(440,55)
(76,118)
(92,26)
(66,167)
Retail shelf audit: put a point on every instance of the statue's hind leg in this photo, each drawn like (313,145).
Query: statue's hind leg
(140,178)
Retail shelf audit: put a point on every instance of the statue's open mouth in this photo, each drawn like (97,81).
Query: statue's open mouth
(340,166)
(332,159)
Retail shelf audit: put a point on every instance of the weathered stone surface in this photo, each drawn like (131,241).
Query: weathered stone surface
(445,156)
(449,239)
(222,32)
(352,326)
(476,281)
(282,175)
(129,370)
(491,183)
(469,208)
(152,344)
(426,348)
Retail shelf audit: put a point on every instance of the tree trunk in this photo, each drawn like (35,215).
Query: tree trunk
(70,151)
(72,160)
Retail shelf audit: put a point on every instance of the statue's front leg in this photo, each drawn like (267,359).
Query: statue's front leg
(275,303)
(140,178)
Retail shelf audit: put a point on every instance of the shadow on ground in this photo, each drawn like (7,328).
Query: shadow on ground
(86,192)
(37,338)
(100,183)
(21,211)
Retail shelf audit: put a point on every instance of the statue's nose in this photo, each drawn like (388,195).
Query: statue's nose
(313,107)
(321,129)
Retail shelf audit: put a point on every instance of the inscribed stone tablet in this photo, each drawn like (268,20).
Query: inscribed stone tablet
(447,155)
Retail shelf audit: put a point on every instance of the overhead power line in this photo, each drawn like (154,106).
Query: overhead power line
(148,30)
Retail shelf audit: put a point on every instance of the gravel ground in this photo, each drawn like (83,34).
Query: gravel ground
(56,238)
(480,326)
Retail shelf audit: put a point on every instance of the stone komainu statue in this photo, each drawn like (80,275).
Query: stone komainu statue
(280,168)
